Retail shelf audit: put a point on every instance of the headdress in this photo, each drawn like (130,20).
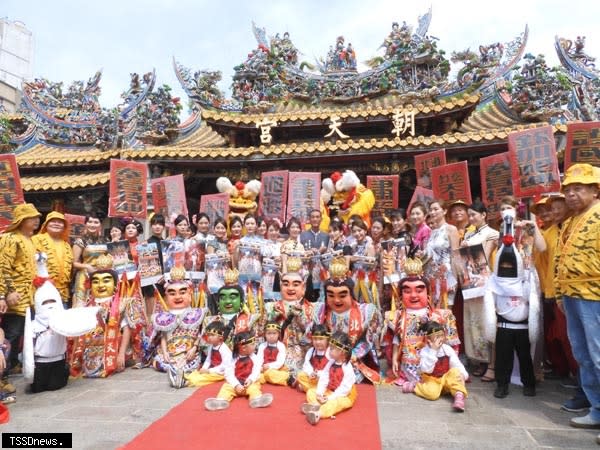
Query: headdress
(581,173)
(413,268)
(320,331)
(56,215)
(273,326)
(231,277)
(341,340)
(243,338)
(216,328)
(177,275)
(338,274)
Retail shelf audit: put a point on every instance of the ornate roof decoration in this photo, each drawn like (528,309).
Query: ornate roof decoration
(272,74)
(537,93)
(158,116)
(584,76)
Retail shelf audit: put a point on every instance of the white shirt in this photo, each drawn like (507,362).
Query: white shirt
(308,368)
(429,358)
(515,309)
(49,346)
(279,361)
(230,371)
(345,386)
(225,359)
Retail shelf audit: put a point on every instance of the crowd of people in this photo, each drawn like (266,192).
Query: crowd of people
(379,300)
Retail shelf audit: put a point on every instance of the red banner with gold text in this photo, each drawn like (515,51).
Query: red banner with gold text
(385,189)
(496,182)
(304,194)
(215,205)
(127,196)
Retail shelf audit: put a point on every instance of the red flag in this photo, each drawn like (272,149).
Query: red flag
(496,182)
(304,195)
(215,205)
(385,189)
(168,197)
(273,195)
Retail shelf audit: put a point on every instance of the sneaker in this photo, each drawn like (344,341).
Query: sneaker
(6,398)
(459,402)
(569,383)
(7,387)
(585,422)
(215,404)
(313,417)
(529,391)
(262,401)
(309,407)
(501,391)
(576,404)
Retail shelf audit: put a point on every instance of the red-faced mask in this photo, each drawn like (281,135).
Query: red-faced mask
(414,294)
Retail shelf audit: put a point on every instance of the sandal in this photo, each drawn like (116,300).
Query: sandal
(489,375)
(479,370)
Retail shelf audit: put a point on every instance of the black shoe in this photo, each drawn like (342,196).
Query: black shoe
(292,381)
(501,391)
(529,391)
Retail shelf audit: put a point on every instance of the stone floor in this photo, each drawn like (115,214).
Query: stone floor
(103,414)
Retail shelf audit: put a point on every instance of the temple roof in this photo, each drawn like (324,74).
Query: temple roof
(44,155)
(52,183)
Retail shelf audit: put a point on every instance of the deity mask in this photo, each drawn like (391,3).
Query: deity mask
(178,296)
(414,294)
(339,298)
(230,300)
(293,287)
(103,284)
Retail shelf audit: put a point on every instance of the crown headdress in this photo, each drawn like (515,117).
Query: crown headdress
(104,262)
(413,267)
(338,269)
(177,274)
(273,326)
(231,277)
(341,345)
(293,264)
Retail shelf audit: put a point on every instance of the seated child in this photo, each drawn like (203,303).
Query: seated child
(241,376)
(315,360)
(271,354)
(441,370)
(335,391)
(218,357)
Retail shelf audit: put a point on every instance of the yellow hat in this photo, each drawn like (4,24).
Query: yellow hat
(541,202)
(56,215)
(582,173)
(22,212)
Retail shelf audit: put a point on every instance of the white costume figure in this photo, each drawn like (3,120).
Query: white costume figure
(45,340)
(511,312)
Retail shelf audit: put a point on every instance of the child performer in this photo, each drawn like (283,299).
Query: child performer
(217,359)
(271,354)
(241,376)
(315,360)
(335,391)
(441,370)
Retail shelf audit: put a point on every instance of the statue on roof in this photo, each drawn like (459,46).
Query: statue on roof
(575,50)
(340,57)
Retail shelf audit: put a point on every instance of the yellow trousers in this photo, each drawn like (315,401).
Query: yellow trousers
(196,379)
(431,388)
(306,382)
(274,376)
(227,391)
(333,406)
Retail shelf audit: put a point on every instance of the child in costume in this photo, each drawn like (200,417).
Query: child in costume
(441,370)
(271,354)
(335,391)
(511,309)
(217,358)
(241,376)
(315,360)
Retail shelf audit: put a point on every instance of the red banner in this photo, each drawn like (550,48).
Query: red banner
(168,197)
(385,189)
(583,144)
(421,195)
(215,205)
(496,182)
(451,182)
(127,196)
(425,162)
(304,193)
(11,193)
(273,195)
(76,226)
(533,162)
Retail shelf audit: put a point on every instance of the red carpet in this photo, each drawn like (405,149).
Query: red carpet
(279,426)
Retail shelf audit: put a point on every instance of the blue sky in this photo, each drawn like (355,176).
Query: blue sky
(73,39)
